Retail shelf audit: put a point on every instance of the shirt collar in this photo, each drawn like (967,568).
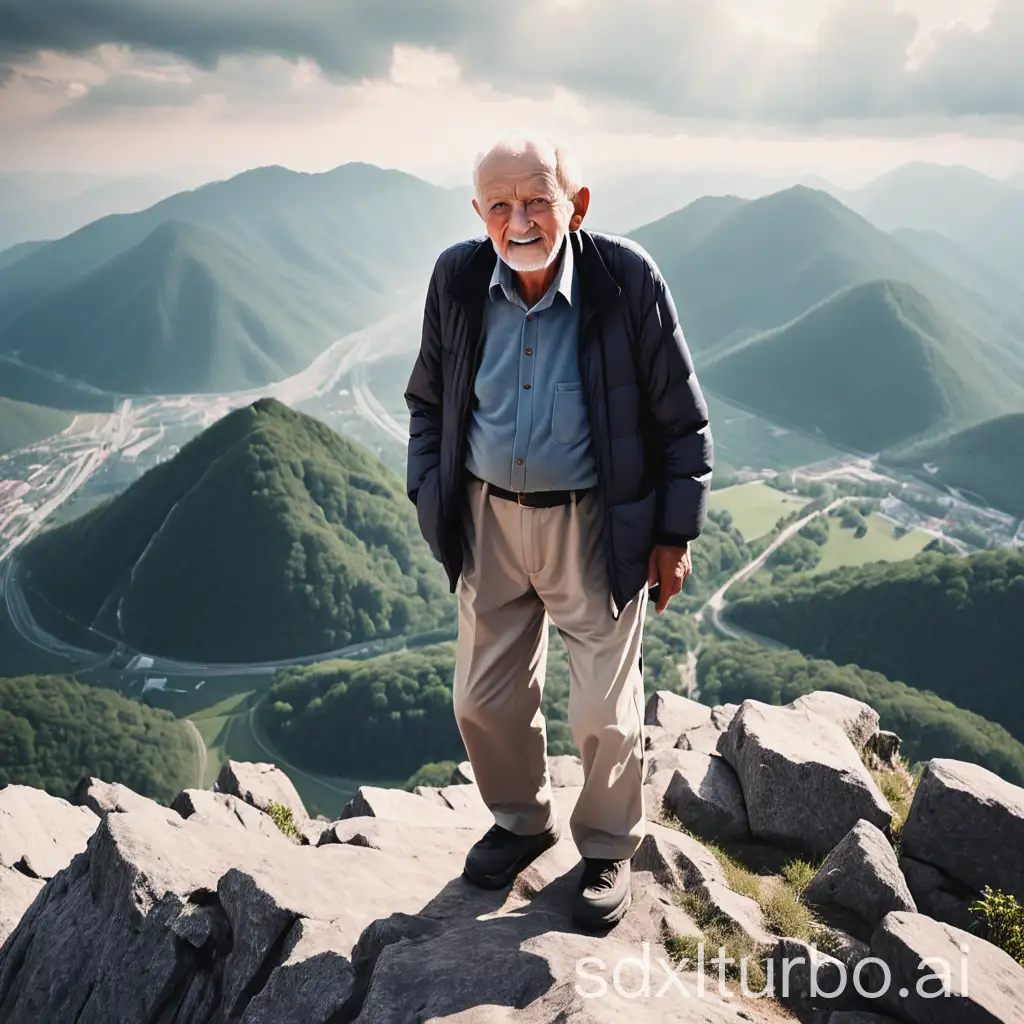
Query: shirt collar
(563,283)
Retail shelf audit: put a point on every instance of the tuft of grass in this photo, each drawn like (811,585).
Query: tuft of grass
(898,785)
(282,818)
(720,938)
(784,912)
(798,873)
(1002,920)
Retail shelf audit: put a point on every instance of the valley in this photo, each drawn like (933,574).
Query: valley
(787,455)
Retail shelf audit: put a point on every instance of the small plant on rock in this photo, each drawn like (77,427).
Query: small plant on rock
(282,818)
(1002,920)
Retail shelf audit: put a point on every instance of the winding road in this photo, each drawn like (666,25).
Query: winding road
(201,752)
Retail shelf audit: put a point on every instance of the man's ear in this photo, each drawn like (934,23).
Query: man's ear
(579,208)
(476,206)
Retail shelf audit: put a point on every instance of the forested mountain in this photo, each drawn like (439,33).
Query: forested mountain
(929,726)
(267,536)
(737,269)
(18,252)
(987,459)
(943,623)
(381,717)
(868,368)
(23,424)
(55,731)
(231,285)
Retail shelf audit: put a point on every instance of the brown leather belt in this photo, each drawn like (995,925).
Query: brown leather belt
(536,499)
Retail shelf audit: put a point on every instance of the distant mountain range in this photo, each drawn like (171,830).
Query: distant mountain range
(232,285)
(267,536)
(979,213)
(801,309)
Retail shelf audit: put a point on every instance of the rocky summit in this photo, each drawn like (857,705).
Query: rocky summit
(236,906)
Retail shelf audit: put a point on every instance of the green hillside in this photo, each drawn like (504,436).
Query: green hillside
(737,269)
(985,459)
(282,265)
(201,305)
(55,731)
(22,424)
(735,671)
(870,367)
(942,623)
(267,536)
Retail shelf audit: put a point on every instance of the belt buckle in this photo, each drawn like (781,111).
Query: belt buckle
(519,500)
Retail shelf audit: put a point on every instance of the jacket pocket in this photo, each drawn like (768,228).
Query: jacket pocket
(569,414)
(632,538)
(428,510)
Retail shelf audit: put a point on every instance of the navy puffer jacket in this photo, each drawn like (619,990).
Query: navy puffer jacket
(648,417)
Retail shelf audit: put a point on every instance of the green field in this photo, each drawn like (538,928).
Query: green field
(754,507)
(878,544)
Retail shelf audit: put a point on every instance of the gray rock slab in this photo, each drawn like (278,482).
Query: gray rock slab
(803,782)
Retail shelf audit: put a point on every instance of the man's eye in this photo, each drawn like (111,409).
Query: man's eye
(498,206)
(538,202)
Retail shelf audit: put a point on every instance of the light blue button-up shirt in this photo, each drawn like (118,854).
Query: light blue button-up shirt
(528,430)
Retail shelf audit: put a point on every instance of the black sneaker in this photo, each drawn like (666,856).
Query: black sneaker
(604,894)
(496,859)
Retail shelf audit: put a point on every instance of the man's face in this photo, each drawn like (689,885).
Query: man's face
(524,208)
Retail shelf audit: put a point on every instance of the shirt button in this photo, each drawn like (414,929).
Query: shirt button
(519,462)
(529,351)
(526,386)
(529,317)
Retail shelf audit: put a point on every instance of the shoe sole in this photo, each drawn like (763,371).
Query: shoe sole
(611,917)
(509,876)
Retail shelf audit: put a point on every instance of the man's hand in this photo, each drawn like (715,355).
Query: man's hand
(668,566)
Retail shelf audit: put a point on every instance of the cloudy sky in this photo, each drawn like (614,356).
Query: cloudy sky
(845,88)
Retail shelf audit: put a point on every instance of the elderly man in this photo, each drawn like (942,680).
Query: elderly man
(560,462)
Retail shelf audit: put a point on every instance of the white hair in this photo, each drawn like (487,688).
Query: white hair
(568,172)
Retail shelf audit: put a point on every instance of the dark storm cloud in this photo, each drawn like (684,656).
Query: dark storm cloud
(681,58)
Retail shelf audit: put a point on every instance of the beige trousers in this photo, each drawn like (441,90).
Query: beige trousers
(521,567)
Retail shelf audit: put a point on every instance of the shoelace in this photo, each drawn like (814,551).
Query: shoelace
(600,874)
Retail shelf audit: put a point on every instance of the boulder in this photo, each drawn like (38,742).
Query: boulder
(39,833)
(260,785)
(680,862)
(862,874)
(17,891)
(969,822)
(938,895)
(801,973)
(225,810)
(675,713)
(722,715)
(665,760)
(655,789)
(462,774)
(858,720)
(399,805)
(803,782)
(705,795)
(464,799)
(113,798)
(981,983)
(703,740)
(565,770)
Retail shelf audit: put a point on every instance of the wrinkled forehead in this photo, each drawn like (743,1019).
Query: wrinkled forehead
(517,176)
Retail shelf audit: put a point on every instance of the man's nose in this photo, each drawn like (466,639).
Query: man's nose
(520,220)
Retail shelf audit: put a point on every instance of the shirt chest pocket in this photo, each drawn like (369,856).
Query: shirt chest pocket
(569,414)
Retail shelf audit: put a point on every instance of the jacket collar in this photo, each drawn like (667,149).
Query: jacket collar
(597,286)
